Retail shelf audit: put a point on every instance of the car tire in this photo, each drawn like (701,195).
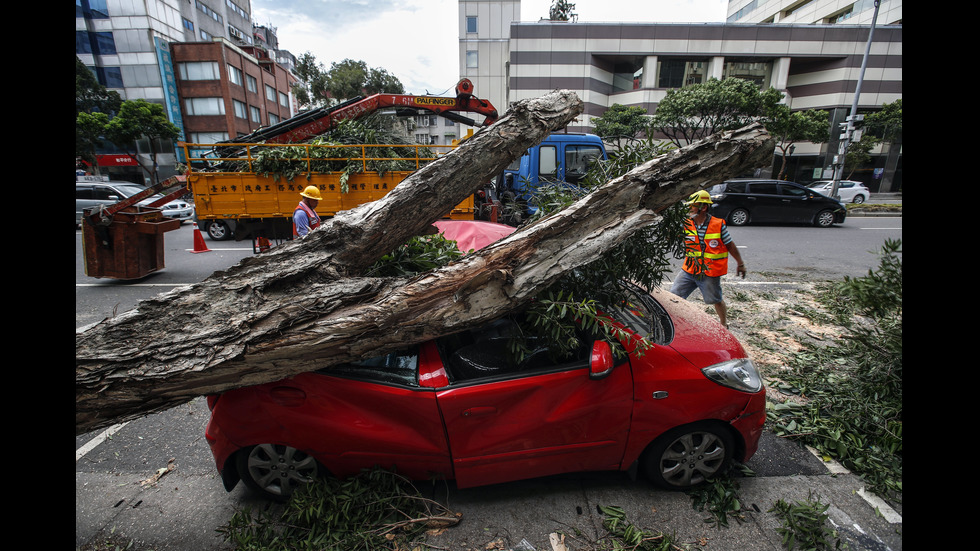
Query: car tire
(858,199)
(276,470)
(824,219)
(738,217)
(218,230)
(687,456)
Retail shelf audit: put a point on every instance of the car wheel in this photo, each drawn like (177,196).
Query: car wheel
(276,470)
(687,456)
(218,230)
(738,217)
(858,199)
(824,219)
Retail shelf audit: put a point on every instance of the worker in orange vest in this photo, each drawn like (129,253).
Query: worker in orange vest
(305,217)
(708,246)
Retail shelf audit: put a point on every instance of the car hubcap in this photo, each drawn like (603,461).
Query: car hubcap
(692,458)
(280,469)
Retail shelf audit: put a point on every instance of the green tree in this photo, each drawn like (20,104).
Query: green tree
(350,78)
(89,128)
(139,119)
(788,127)
(90,96)
(561,10)
(620,122)
(94,105)
(311,90)
(886,123)
(695,112)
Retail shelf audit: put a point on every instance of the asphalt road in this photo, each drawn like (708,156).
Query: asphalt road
(120,495)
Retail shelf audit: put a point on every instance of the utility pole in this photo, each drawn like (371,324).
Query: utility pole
(850,132)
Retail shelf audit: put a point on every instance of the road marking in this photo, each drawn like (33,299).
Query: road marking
(102,437)
(879,504)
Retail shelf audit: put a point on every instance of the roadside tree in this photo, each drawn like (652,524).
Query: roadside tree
(788,127)
(621,122)
(139,120)
(695,112)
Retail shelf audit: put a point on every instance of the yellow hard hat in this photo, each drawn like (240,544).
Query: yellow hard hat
(311,192)
(700,196)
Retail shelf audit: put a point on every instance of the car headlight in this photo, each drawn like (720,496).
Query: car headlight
(739,374)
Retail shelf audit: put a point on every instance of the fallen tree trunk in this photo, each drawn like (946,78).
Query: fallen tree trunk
(278,319)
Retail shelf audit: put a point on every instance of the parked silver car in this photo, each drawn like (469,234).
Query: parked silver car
(849,191)
(91,194)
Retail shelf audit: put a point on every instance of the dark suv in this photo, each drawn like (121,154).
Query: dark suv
(743,201)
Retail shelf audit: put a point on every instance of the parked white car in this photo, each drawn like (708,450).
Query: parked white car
(849,191)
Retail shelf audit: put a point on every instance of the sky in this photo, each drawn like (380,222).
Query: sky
(418,42)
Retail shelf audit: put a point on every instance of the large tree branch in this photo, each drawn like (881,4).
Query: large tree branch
(318,314)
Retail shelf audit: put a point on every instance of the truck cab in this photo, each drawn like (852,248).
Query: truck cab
(560,158)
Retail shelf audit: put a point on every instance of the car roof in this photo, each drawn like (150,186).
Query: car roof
(473,234)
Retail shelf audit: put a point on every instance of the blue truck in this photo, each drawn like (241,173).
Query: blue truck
(560,158)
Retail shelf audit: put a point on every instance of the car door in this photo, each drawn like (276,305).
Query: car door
(797,203)
(763,202)
(547,420)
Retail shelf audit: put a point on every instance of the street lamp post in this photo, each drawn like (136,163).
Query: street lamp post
(850,132)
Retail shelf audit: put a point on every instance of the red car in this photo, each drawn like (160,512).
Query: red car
(460,408)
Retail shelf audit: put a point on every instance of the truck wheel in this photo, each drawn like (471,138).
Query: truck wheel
(218,230)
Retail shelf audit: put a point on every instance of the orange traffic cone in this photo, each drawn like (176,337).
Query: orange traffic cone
(199,245)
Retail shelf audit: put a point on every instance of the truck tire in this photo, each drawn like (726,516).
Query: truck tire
(218,230)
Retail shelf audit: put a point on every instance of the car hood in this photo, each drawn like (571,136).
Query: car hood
(700,338)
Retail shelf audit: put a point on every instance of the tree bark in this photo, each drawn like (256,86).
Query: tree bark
(303,307)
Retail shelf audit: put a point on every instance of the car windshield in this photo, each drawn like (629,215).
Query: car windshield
(128,190)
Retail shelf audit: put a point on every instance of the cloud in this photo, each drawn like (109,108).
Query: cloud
(418,42)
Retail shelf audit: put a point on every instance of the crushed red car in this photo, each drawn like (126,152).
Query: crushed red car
(461,408)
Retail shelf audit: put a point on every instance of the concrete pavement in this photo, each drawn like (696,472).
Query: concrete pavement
(184,509)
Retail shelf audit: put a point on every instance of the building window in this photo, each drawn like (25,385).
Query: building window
(270,93)
(235,75)
(677,73)
(239,109)
(189,25)
(273,118)
(110,77)
(209,12)
(471,59)
(234,7)
(251,84)
(256,114)
(204,106)
(283,99)
(91,9)
(471,23)
(198,70)
(756,72)
(206,36)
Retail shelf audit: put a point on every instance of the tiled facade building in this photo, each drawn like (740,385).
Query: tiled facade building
(816,65)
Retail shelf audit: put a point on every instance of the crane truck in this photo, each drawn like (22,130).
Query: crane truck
(236,198)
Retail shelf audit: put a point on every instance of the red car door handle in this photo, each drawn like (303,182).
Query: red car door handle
(477,411)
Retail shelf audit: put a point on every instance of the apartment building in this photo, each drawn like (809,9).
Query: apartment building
(130,47)
(228,90)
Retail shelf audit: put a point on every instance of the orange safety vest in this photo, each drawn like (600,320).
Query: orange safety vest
(712,250)
(314,219)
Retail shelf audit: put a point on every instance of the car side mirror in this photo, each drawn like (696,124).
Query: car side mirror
(601,361)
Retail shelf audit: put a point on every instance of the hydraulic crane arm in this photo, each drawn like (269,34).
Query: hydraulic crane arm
(318,121)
